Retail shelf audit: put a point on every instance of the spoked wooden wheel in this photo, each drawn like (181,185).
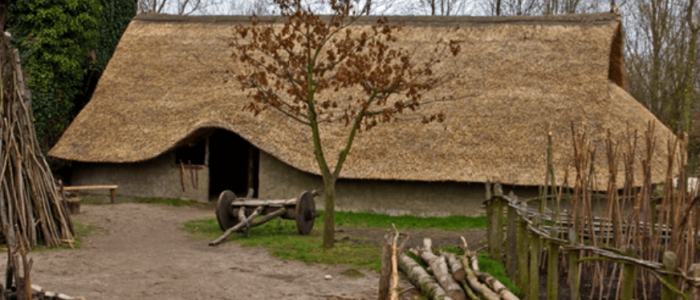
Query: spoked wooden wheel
(224,210)
(305,213)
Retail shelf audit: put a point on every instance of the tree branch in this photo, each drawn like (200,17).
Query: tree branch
(355,125)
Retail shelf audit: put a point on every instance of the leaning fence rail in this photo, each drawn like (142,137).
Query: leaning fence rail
(527,239)
(644,235)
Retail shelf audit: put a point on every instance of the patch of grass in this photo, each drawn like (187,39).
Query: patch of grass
(282,240)
(406,222)
(496,270)
(81,230)
(352,272)
(99,199)
(418,260)
(169,202)
(93,199)
(453,249)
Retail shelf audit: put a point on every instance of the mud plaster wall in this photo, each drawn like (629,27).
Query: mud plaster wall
(159,177)
(280,181)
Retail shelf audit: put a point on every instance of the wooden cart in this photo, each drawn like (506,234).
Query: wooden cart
(238,214)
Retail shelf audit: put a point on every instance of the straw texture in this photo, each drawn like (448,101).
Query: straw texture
(517,78)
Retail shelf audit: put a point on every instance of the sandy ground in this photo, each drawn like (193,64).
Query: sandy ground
(143,254)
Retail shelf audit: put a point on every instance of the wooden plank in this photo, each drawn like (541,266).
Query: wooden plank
(262,202)
(90,187)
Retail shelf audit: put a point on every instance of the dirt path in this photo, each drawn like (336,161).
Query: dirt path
(143,254)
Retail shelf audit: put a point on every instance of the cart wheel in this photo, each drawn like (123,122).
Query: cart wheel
(306,213)
(224,213)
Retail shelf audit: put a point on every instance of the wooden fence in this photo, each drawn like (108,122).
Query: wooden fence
(537,237)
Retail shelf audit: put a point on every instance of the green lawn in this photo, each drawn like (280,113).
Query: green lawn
(406,222)
(280,237)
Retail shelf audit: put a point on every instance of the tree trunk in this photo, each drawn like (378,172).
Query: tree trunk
(690,63)
(329,206)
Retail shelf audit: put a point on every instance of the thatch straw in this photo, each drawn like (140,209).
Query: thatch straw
(517,78)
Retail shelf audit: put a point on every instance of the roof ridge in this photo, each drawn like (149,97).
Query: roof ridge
(582,19)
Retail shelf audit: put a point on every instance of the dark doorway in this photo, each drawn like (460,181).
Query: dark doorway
(233,164)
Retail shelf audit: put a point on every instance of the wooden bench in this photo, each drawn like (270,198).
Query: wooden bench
(112,189)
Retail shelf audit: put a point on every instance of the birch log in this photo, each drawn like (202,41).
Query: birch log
(478,287)
(394,290)
(440,270)
(497,286)
(420,278)
(455,266)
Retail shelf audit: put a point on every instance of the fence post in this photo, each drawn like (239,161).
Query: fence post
(629,271)
(534,291)
(695,273)
(512,238)
(523,245)
(669,261)
(573,267)
(489,216)
(553,271)
(497,227)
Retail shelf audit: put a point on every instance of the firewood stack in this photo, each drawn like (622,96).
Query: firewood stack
(30,205)
(451,277)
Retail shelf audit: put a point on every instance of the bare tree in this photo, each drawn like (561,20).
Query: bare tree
(176,7)
(657,55)
(661,56)
(693,23)
(542,7)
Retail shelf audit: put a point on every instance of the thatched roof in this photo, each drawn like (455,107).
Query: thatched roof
(522,77)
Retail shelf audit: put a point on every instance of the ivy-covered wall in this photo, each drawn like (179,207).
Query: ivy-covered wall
(116,16)
(65,45)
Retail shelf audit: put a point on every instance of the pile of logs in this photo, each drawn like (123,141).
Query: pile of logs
(449,276)
(31,210)
(30,203)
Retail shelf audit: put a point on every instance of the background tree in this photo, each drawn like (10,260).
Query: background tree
(65,45)
(179,7)
(661,56)
(54,38)
(294,62)
(115,17)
